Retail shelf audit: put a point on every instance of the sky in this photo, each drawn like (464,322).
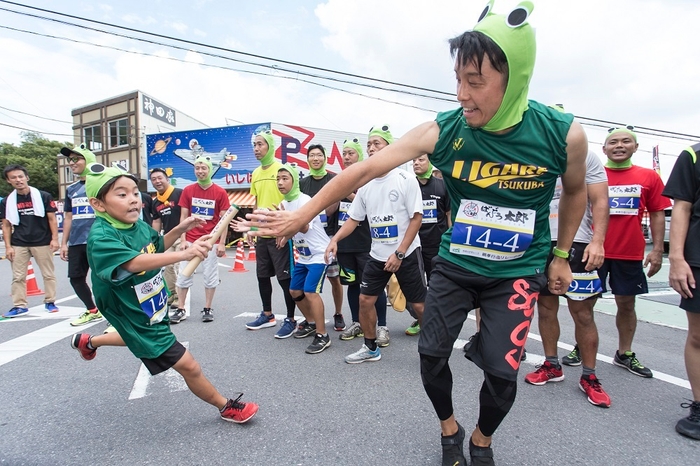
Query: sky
(627,61)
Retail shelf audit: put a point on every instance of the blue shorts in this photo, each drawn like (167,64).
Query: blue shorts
(308,277)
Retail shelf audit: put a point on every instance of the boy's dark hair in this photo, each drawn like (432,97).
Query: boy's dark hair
(471,46)
(157,170)
(15,167)
(316,146)
(108,185)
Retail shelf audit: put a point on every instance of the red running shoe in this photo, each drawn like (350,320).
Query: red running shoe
(80,341)
(238,411)
(596,395)
(545,373)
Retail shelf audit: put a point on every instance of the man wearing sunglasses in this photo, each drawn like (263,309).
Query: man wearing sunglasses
(78,219)
(631,190)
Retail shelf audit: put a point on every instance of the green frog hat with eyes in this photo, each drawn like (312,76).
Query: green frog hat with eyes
(516,37)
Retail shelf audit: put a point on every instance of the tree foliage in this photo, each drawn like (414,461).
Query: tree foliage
(38,155)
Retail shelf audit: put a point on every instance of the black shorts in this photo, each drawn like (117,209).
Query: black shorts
(166,360)
(351,266)
(410,275)
(507,306)
(693,304)
(585,285)
(626,277)
(77,261)
(270,261)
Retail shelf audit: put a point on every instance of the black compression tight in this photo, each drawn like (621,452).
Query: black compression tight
(82,289)
(437,381)
(495,400)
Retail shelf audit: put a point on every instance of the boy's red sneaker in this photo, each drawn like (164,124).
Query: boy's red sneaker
(238,411)
(80,341)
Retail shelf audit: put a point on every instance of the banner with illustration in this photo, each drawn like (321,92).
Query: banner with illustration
(230,150)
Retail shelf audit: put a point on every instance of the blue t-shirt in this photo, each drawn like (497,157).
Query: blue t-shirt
(82,214)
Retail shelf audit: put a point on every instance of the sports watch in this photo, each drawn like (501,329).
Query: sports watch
(400,255)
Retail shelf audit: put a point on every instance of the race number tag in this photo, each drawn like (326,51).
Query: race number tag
(492,232)
(624,199)
(430,212)
(203,208)
(554,210)
(153,298)
(302,247)
(384,229)
(584,285)
(343,212)
(81,208)
(324,218)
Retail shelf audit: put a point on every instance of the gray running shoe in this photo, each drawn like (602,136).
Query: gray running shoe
(363,355)
(305,329)
(382,337)
(351,332)
(629,361)
(573,358)
(207,315)
(178,316)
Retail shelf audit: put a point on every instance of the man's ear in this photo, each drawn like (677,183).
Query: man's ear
(97,204)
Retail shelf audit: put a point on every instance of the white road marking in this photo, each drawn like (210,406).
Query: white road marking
(21,346)
(39,313)
(173,380)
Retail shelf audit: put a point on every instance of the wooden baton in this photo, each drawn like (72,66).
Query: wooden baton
(220,228)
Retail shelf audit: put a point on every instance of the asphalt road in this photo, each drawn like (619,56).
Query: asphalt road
(314,409)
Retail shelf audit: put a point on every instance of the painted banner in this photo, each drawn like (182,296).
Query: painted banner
(231,151)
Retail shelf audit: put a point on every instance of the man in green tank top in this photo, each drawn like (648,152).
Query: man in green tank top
(500,155)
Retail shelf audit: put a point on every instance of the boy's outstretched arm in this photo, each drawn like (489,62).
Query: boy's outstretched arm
(144,262)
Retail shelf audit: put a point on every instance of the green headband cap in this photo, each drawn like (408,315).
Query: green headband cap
(96,177)
(383,132)
(206,161)
(294,192)
(625,130)
(270,155)
(516,38)
(321,171)
(82,151)
(354,144)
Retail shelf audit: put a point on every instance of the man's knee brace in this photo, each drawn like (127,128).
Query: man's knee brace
(300,297)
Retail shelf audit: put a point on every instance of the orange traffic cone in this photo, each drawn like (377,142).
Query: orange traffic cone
(251,252)
(296,254)
(32,287)
(238,262)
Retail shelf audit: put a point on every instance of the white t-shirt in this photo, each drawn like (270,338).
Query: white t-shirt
(595,173)
(389,203)
(312,244)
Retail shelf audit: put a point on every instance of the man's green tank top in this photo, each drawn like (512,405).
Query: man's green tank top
(500,186)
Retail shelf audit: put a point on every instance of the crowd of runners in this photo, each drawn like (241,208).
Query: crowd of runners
(506,210)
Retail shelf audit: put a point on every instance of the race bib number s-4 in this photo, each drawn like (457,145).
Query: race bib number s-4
(492,232)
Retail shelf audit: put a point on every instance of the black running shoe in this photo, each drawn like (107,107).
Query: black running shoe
(178,316)
(320,343)
(304,330)
(573,358)
(207,315)
(480,456)
(629,361)
(453,448)
(338,323)
(690,426)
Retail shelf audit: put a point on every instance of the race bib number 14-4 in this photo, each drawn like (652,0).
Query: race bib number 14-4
(492,232)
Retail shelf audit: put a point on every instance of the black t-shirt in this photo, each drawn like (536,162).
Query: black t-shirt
(684,184)
(32,230)
(311,186)
(436,203)
(147,208)
(357,241)
(169,211)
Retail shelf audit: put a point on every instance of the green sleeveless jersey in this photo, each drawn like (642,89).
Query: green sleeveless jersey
(500,186)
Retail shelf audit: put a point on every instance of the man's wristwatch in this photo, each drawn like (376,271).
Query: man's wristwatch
(400,255)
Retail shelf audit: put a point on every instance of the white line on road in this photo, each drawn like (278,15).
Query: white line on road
(21,346)
(172,379)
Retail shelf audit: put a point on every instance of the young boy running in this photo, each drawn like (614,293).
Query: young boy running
(126,258)
(310,270)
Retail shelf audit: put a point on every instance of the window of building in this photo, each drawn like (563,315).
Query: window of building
(92,135)
(119,133)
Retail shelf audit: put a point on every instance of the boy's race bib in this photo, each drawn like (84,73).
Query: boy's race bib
(153,298)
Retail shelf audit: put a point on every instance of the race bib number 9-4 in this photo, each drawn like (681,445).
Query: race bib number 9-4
(492,232)
(584,285)
(153,298)
(624,199)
